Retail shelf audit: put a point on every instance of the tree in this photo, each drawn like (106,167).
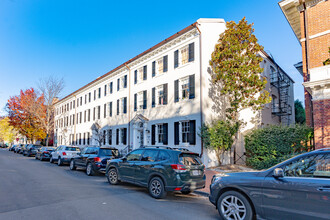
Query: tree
(22,113)
(327,61)
(98,134)
(299,110)
(50,88)
(236,72)
(7,132)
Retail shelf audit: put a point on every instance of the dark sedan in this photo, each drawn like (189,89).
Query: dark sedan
(44,153)
(31,150)
(298,188)
(93,159)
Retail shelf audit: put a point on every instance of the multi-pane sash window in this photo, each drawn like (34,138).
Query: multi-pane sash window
(185,88)
(185,131)
(160,66)
(160,129)
(184,55)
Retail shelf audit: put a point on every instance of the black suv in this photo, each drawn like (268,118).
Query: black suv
(93,159)
(160,169)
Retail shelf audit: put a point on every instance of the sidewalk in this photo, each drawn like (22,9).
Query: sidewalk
(209,174)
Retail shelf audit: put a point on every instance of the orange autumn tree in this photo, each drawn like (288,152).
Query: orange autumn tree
(26,114)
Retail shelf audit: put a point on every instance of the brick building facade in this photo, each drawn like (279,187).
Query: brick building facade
(310,21)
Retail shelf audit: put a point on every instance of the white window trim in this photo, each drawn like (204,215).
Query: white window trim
(157,134)
(180,134)
(181,81)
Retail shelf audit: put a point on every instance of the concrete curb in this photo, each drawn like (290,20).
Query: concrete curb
(204,194)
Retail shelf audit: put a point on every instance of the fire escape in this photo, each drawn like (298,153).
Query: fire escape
(282,108)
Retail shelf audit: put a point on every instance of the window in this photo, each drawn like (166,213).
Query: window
(160,95)
(184,55)
(317,165)
(184,88)
(141,100)
(163,156)
(124,104)
(160,130)
(110,109)
(160,66)
(149,155)
(124,81)
(134,155)
(88,138)
(104,136)
(123,135)
(191,52)
(274,104)
(84,139)
(185,131)
(110,137)
(111,87)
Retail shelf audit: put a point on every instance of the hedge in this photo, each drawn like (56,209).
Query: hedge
(270,145)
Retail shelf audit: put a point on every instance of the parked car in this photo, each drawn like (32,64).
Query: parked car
(20,148)
(93,159)
(298,188)
(161,169)
(17,148)
(63,154)
(12,147)
(44,153)
(31,150)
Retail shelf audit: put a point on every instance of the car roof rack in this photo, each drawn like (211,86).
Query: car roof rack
(181,149)
(164,147)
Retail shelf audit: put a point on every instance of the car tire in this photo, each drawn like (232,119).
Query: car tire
(89,169)
(234,205)
(59,162)
(51,160)
(186,192)
(157,188)
(112,176)
(72,165)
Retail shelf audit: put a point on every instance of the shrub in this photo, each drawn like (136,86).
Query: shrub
(268,146)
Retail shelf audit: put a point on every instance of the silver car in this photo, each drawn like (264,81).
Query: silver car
(63,154)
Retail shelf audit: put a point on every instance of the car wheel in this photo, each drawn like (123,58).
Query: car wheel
(186,192)
(59,162)
(72,165)
(112,176)
(51,160)
(234,205)
(89,170)
(156,188)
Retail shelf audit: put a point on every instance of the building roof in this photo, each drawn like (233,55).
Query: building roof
(185,30)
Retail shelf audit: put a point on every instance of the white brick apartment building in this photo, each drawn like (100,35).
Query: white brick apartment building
(161,97)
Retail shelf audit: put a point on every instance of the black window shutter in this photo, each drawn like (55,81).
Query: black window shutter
(118,84)
(165,94)
(153,134)
(165,134)
(117,106)
(125,105)
(153,101)
(176,90)
(135,76)
(153,68)
(176,133)
(117,137)
(145,72)
(110,109)
(165,58)
(94,113)
(192,132)
(124,136)
(105,92)
(111,87)
(105,110)
(135,102)
(145,99)
(98,112)
(110,137)
(191,86)
(176,58)
(191,52)
(125,81)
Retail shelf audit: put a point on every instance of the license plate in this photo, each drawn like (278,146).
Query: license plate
(195,172)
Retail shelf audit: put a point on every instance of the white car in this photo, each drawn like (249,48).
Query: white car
(63,154)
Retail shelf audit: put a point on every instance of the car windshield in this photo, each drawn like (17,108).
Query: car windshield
(190,159)
(108,152)
(72,149)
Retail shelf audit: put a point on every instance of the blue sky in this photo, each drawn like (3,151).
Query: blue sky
(83,39)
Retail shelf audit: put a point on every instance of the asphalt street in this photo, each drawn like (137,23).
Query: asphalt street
(31,189)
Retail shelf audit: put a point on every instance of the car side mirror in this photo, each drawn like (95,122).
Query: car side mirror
(278,172)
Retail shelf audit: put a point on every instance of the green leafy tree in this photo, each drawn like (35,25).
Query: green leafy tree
(327,61)
(236,67)
(299,110)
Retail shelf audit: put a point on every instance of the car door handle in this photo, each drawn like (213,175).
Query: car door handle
(324,188)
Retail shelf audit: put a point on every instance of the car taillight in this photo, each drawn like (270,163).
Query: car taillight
(46,152)
(179,168)
(97,159)
(63,153)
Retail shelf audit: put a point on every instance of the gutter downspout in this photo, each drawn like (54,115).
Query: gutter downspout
(129,106)
(201,83)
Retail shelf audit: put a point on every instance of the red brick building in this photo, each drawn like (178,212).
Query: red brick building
(310,21)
